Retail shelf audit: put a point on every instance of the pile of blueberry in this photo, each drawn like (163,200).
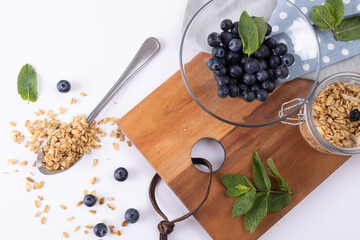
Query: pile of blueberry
(238,75)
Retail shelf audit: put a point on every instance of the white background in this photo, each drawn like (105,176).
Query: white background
(90,43)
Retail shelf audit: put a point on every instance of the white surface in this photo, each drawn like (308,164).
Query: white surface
(90,43)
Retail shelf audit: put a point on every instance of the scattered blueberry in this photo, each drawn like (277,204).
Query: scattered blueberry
(255,87)
(251,65)
(282,72)
(288,59)
(218,52)
(262,95)
(249,96)
(262,75)
(100,230)
(268,31)
(233,91)
(234,29)
(225,79)
(132,215)
(226,24)
(242,88)
(233,57)
(263,64)
(213,64)
(262,53)
(280,49)
(214,39)
(274,61)
(89,200)
(270,43)
(244,59)
(235,44)
(236,71)
(223,92)
(121,174)
(271,73)
(267,85)
(249,79)
(354,115)
(226,38)
(63,86)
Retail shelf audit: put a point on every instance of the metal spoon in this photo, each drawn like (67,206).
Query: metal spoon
(146,51)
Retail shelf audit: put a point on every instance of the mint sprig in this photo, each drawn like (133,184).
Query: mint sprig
(330,16)
(255,202)
(27,83)
(252,32)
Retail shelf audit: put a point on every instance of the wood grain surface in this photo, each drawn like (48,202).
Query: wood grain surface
(171,122)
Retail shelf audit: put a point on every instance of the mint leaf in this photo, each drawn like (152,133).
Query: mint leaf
(261,179)
(231,180)
(262,29)
(27,83)
(243,203)
(349,29)
(237,190)
(249,33)
(323,16)
(338,8)
(283,185)
(258,211)
(278,201)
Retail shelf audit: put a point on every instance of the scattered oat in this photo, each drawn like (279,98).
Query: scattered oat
(92,192)
(17,137)
(29,179)
(63,207)
(37,214)
(95,162)
(43,219)
(40,197)
(66,235)
(70,218)
(16,170)
(85,192)
(93,180)
(34,164)
(103,221)
(12,124)
(102,200)
(31,173)
(88,226)
(79,203)
(61,110)
(111,206)
(111,198)
(124,223)
(73,101)
(121,137)
(11,161)
(118,233)
(115,102)
(23,163)
(92,211)
(115,146)
(46,208)
(129,143)
(83,94)
(77,228)
(5,173)
(37,203)
(28,187)
(85,232)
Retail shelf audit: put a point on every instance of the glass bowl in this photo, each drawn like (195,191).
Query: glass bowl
(299,36)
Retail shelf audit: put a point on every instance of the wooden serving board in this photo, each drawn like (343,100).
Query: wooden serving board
(165,126)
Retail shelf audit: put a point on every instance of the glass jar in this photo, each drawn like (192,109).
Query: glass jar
(308,128)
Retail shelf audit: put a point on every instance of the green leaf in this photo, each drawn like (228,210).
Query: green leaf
(262,29)
(278,201)
(231,180)
(283,185)
(338,8)
(261,179)
(323,16)
(349,29)
(258,211)
(27,83)
(237,190)
(249,33)
(243,203)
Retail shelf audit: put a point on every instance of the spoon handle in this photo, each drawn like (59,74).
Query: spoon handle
(146,51)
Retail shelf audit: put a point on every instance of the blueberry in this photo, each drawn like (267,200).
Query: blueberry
(267,85)
(100,230)
(249,96)
(213,64)
(263,64)
(63,86)
(226,24)
(249,79)
(233,57)
(255,87)
(236,71)
(354,115)
(235,44)
(223,92)
(281,72)
(234,29)
(225,79)
(214,39)
(274,61)
(262,95)
(262,53)
(280,49)
(233,91)
(270,42)
(271,73)
(251,65)
(225,38)
(242,88)
(121,174)
(269,29)
(218,52)
(89,200)
(244,59)
(262,75)
(288,59)
(132,215)
(221,72)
